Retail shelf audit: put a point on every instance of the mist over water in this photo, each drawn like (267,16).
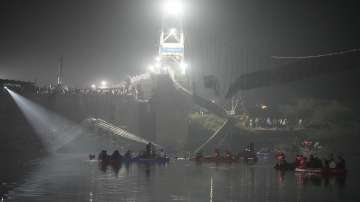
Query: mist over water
(73,178)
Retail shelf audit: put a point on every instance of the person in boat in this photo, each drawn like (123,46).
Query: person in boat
(153,153)
(340,163)
(278,154)
(103,156)
(280,159)
(162,153)
(297,160)
(330,163)
(250,148)
(310,162)
(302,162)
(91,156)
(148,150)
(116,156)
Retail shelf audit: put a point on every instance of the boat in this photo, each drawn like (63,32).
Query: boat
(247,156)
(286,166)
(321,171)
(334,171)
(134,160)
(309,170)
(151,160)
(264,153)
(109,162)
(211,159)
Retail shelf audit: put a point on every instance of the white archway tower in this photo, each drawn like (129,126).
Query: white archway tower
(172,49)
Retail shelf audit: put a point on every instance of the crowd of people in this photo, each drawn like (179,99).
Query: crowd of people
(115,156)
(126,88)
(120,91)
(149,153)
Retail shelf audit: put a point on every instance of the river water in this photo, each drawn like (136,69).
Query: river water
(68,177)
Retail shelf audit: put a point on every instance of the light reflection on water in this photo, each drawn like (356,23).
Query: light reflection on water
(73,178)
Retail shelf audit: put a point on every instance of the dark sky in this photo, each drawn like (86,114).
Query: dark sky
(109,39)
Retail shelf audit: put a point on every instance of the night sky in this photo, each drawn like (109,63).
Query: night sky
(110,39)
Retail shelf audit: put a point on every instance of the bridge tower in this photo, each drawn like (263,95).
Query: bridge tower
(172,48)
(171,107)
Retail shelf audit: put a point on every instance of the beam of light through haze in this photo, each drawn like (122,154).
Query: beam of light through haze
(53,130)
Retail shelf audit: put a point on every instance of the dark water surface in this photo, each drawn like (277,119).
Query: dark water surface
(73,178)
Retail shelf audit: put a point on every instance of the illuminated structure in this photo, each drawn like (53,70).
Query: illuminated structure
(171,48)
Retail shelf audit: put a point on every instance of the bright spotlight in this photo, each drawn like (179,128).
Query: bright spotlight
(173,8)
(53,130)
(157,59)
(172,31)
(103,84)
(93,86)
(151,68)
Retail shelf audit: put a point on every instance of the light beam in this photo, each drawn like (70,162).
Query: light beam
(54,131)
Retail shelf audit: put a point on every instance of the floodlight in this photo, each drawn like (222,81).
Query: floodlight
(157,59)
(172,31)
(173,7)
(103,83)
(93,86)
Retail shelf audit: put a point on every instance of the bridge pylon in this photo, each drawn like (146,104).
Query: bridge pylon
(171,58)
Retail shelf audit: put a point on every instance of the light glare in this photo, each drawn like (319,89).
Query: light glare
(172,31)
(173,8)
